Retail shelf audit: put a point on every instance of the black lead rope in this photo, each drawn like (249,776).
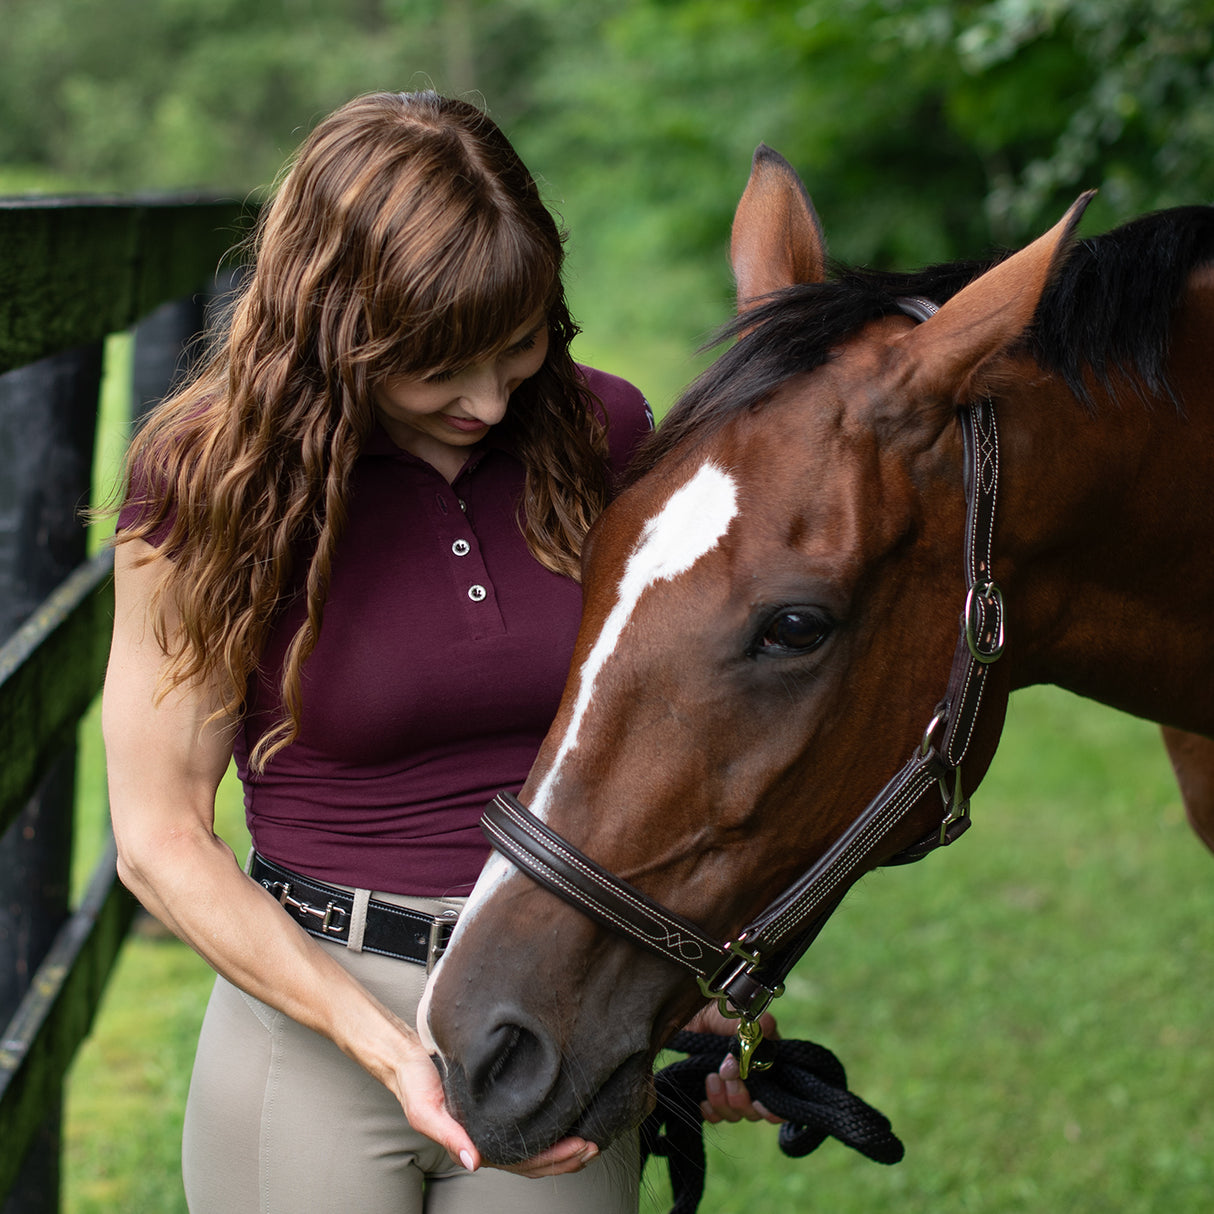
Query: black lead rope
(804,1083)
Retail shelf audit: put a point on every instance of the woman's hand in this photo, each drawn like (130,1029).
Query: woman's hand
(419,1088)
(420,1091)
(725,1095)
(568,1155)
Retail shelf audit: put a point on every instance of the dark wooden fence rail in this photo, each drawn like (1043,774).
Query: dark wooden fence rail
(72,271)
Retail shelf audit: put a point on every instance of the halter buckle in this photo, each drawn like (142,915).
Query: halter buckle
(738,994)
(984,622)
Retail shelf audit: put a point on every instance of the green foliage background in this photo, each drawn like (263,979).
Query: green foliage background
(924,130)
(1031,1009)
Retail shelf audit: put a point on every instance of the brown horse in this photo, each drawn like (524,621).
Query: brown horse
(771,629)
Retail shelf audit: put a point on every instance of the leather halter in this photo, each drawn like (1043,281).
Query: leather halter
(745,973)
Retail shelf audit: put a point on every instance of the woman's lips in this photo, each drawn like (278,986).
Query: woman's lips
(465,425)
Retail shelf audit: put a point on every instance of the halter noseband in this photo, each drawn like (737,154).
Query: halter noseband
(746,973)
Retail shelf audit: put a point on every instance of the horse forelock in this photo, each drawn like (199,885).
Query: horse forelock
(1106,315)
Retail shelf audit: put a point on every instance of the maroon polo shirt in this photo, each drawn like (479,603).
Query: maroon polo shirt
(439,667)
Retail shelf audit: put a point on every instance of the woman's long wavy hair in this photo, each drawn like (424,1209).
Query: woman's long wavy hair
(407,238)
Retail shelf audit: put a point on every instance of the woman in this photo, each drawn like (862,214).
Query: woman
(348,556)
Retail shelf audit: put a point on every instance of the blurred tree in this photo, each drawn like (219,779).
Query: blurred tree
(169,94)
(1131,111)
(923,129)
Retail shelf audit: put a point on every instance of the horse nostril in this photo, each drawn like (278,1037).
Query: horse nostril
(514,1062)
(503,1041)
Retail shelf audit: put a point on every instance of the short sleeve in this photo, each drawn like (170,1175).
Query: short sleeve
(141,501)
(628,415)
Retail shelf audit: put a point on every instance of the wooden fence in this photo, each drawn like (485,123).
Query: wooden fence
(72,271)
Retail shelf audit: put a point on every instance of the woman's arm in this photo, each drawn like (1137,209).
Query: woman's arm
(165,761)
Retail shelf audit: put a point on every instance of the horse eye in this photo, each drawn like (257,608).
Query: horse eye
(796,630)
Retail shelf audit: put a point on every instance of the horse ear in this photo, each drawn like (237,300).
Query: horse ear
(777,239)
(987,316)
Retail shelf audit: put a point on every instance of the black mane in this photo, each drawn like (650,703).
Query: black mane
(1108,311)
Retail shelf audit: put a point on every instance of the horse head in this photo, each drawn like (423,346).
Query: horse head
(770,615)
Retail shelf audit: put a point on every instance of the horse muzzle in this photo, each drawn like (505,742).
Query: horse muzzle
(515,1095)
(523,1064)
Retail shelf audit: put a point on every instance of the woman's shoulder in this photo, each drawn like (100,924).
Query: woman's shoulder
(144,499)
(625,410)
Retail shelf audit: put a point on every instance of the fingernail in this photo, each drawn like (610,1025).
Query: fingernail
(465,1157)
(589,1151)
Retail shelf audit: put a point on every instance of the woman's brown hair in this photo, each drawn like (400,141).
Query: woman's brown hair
(407,238)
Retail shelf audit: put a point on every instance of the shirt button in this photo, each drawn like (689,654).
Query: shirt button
(461,547)
(463,505)
(477,593)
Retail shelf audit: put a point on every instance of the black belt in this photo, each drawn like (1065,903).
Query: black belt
(326,912)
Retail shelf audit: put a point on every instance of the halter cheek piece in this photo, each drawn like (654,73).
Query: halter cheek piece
(746,973)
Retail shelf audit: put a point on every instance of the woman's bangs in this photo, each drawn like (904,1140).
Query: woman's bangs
(483,294)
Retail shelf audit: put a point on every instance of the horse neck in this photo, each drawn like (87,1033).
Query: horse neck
(1104,537)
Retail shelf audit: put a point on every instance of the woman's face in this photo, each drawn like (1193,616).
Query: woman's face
(438,418)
